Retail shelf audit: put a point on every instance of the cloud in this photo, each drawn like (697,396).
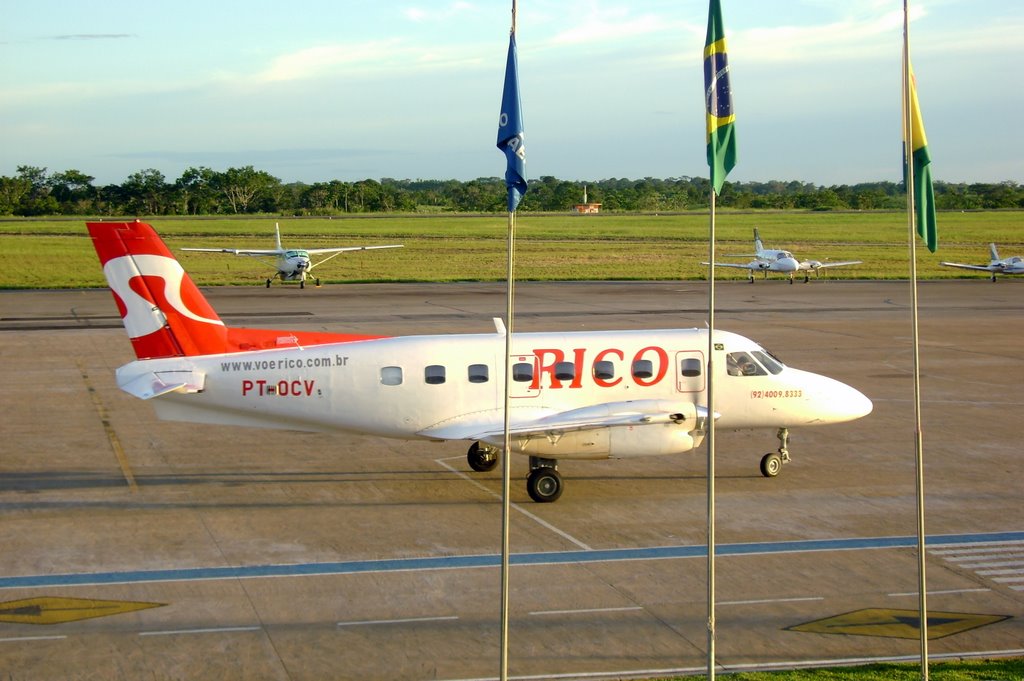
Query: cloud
(315,61)
(91,36)
(360,59)
(419,15)
(609,25)
(855,37)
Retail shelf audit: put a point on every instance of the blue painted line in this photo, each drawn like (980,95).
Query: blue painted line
(490,560)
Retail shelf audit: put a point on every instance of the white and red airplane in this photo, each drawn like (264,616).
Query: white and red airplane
(784,262)
(996,265)
(574,395)
(293,264)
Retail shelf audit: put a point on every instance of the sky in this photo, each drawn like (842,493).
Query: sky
(320,90)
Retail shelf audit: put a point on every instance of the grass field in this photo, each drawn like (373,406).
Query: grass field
(57,253)
(979,670)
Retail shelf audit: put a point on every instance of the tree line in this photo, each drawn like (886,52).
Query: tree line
(34,191)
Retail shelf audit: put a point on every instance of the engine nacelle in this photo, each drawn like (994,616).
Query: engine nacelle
(616,442)
(652,440)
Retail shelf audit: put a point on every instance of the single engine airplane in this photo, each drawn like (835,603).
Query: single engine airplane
(292,264)
(774,260)
(1012,265)
(574,395)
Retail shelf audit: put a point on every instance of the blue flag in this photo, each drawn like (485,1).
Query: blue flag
(510,131)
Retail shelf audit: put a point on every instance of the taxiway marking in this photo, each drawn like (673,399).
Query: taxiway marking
(762,601)
(943,592)
(482,561)
(115,441)
(210,630)
(587,611)
(404,620)
(540,521)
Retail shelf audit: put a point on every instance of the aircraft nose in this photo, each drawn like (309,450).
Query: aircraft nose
(788,265)
(841,402)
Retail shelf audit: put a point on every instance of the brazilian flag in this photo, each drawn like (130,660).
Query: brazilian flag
(721,128)
(924,193)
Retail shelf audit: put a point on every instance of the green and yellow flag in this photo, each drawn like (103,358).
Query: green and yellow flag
(721,129)
(924,193)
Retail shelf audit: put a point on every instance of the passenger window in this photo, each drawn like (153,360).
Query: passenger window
(434,374)
(478,373)
(690,367)
(565,371)
(391,375)
(742,364)
(643,368)
(522,372)
(604,370)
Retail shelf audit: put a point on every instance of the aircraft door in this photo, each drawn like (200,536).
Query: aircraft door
(690,371)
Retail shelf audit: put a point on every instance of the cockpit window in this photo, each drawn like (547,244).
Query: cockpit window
(742,364)
(296,254)
(769,362)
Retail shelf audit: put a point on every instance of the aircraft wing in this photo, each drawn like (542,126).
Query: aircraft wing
(983,268)
(236,251)
(823,265)
(318,251)
(733,264)
(489,426)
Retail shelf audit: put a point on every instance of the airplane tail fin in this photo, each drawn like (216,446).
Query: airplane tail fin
(993,253)
(758,246)
(164,312)
(277,233)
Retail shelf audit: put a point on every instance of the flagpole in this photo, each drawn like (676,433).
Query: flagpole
(908,134)
(721,141)
(506,464)
(506,467)
(711,440)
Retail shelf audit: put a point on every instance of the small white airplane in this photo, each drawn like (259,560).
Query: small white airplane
(574,395)
(292,264)
(1012,265)
(774,260)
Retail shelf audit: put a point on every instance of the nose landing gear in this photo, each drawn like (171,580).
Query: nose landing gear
(771,463)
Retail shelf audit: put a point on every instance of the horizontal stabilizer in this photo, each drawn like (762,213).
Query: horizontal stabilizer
(156,383)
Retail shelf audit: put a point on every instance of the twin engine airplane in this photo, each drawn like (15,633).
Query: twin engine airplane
(291,264)
(574,395)
(1012,265)
(774,260)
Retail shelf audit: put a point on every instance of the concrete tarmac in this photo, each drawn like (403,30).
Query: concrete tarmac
(385,550)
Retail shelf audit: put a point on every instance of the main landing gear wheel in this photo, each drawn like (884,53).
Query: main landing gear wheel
(771,465)
(302,284)
(268,283)
(482,458)
(544,485)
